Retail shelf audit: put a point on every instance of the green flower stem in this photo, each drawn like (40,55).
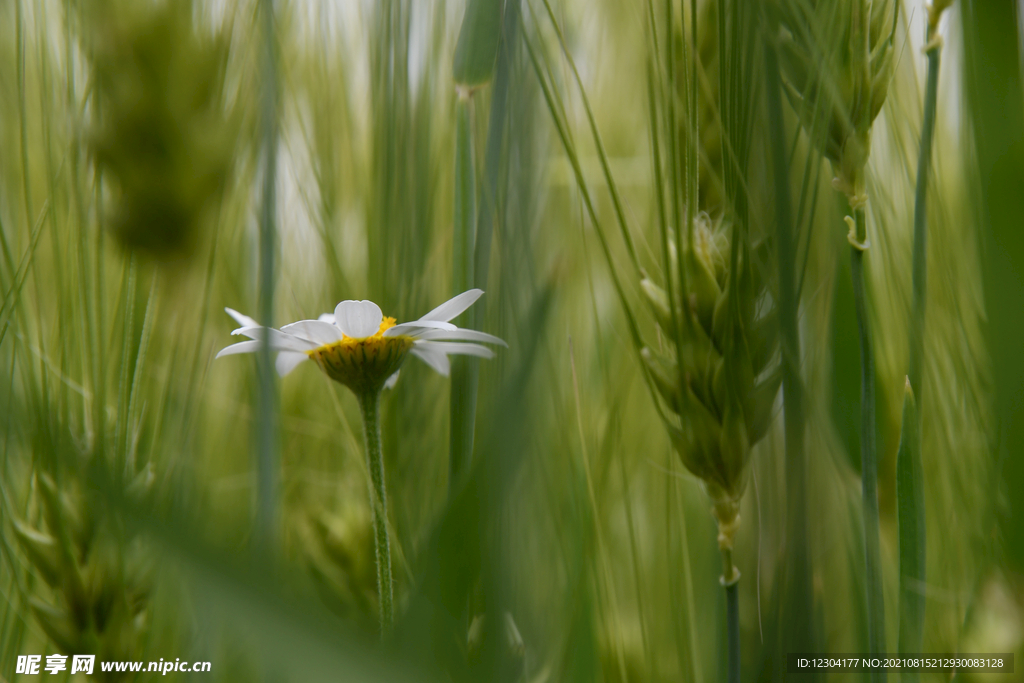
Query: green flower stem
(869,463)
(369,405)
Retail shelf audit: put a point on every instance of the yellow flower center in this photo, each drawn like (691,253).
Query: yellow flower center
(363,364)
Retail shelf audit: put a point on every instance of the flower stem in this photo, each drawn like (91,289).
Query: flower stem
(869,464)
(369,405)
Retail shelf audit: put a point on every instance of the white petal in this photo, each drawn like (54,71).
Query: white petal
(288,361)
(454,306)
(326,318)
(358,319)
(240,347)
(416,326)
(454,348)
(435,358)
(280,341)
(392,380)
(314,330)
(461,335)
(241,319)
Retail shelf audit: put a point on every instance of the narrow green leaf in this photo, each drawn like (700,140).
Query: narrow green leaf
(799,599)
(464,369)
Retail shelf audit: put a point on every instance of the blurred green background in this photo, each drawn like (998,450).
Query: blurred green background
(577,547)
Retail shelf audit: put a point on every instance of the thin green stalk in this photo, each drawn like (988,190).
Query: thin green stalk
(478,53)
(920,266)
(140,358)
(12,299)
(798,586)
(693,128)
(492,176)
(696,668)
(663,231)
(869,463)
(606,586)
(681,185)
(671,130)
(733,614)
(266,432)
(602,156)
(473,228)
(26,180)
(730,581)
(121,430)
(369,405)
(910,508)
(561,127)
(909,470)
(464,370)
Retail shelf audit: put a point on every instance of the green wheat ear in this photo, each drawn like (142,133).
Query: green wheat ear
(161,136)
(339,552)
(99,588)
(837,60)
(710,138)
(723,395)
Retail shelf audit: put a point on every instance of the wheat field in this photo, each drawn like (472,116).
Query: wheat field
(744,379)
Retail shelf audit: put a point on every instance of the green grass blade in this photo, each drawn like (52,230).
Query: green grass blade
(266,428)
(920,261)
(570,150)
(994,84)
(464,368)
(909,469)
(491,195)
(868,453)
(799,612)
(613,190)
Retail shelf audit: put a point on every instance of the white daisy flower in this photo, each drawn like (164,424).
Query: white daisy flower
(361,348)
